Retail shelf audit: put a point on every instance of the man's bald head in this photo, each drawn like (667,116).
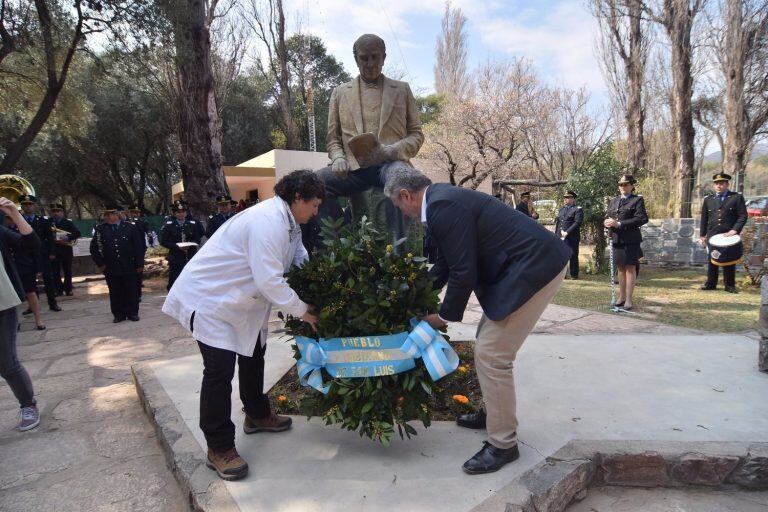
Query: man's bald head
(368,41)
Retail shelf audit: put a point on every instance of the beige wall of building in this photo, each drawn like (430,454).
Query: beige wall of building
(262,172)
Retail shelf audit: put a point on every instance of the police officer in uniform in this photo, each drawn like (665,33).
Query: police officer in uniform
(723,212)
(225,213)
(117,248)
(626,213)
(180,229)
(62,248)
(568,228)
(525,206)
(43,227)
(140,222)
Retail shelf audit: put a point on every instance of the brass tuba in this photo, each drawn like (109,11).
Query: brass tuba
(13,187)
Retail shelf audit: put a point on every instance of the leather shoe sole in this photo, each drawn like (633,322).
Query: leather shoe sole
(256,429)
(490,459)
(228,476)
(133,318)
(474,420)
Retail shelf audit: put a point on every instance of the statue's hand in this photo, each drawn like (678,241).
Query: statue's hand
(389,153)
(340,168)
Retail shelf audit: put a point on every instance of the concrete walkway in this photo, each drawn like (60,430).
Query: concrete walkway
(95,448)
(650,387)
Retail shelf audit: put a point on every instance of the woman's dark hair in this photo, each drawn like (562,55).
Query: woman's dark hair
(303,182)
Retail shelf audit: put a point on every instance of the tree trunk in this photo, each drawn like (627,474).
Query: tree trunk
(285,99)
(598,251)
(680,21)
(55,83)
(736,121)
(635,69)
(199,122)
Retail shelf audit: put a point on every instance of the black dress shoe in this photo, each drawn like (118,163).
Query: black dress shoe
(731,289)
(474,420)
(133,318)
(490,459)
(117,320)
(706,287)
(27,312)
(54,307)
(69,293)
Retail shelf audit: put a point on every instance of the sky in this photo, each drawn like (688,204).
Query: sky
(558,36)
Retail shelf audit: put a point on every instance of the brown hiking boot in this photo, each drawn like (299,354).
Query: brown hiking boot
(272,423)
(228,464)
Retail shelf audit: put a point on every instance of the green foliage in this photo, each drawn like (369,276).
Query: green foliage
(595,182)
(361,287)
(430,107)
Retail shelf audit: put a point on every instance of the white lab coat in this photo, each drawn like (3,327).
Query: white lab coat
(234,280)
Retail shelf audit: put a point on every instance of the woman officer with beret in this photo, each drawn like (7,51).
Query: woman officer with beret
(626,213)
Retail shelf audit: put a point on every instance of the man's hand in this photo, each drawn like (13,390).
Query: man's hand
(340,167)
(7,207)
(703,240)
(310,319)
(434,320)
(563,234)
(731,233)
(535,216)
(610,223)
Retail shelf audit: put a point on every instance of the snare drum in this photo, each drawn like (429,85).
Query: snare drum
(725,250)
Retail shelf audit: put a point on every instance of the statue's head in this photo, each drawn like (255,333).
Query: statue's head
(370,52)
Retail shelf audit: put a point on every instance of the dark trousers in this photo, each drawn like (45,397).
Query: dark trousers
(62,264)
(216,392)
(139,283)
(174,271)
(48,281)
(123,295)
(729,275)
(10,367)
(358,181)
(574,263)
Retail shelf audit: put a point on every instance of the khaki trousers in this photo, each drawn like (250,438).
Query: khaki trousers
(495,351)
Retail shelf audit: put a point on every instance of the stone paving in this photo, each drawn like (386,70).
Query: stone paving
(95,449)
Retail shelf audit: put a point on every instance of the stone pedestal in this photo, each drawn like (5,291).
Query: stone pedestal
(372,204)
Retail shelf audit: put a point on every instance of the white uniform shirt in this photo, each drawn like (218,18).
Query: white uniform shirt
(234,280)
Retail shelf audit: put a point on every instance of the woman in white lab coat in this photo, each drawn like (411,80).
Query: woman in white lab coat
(224,296)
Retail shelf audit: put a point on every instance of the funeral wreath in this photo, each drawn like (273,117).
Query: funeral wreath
(361,287)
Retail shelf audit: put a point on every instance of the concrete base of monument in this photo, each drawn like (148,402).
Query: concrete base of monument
(677,388)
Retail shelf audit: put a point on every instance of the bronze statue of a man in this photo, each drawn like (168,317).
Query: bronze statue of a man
(373,104)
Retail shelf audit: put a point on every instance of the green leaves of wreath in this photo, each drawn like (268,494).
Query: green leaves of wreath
(361,287)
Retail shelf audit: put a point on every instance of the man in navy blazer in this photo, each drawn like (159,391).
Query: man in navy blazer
(512,264)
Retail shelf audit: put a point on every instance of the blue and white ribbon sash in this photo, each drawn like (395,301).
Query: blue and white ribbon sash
(374,356)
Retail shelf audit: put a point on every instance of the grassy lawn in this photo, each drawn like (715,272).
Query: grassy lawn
(669,296)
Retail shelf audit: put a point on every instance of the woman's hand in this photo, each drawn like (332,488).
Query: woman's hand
(310,319)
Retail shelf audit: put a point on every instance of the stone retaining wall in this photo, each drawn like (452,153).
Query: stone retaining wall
(565,477)
(676,241)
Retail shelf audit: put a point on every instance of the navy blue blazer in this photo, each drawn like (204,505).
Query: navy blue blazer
(489,248)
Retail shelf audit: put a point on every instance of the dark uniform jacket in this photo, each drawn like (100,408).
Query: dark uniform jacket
(174,233)
(43,227)
(10,239)
(216,221)
(142,225)
(487,247)
(630,212)
(120,248)
(524,208)
(720,217)
(570,218)
(69,226)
